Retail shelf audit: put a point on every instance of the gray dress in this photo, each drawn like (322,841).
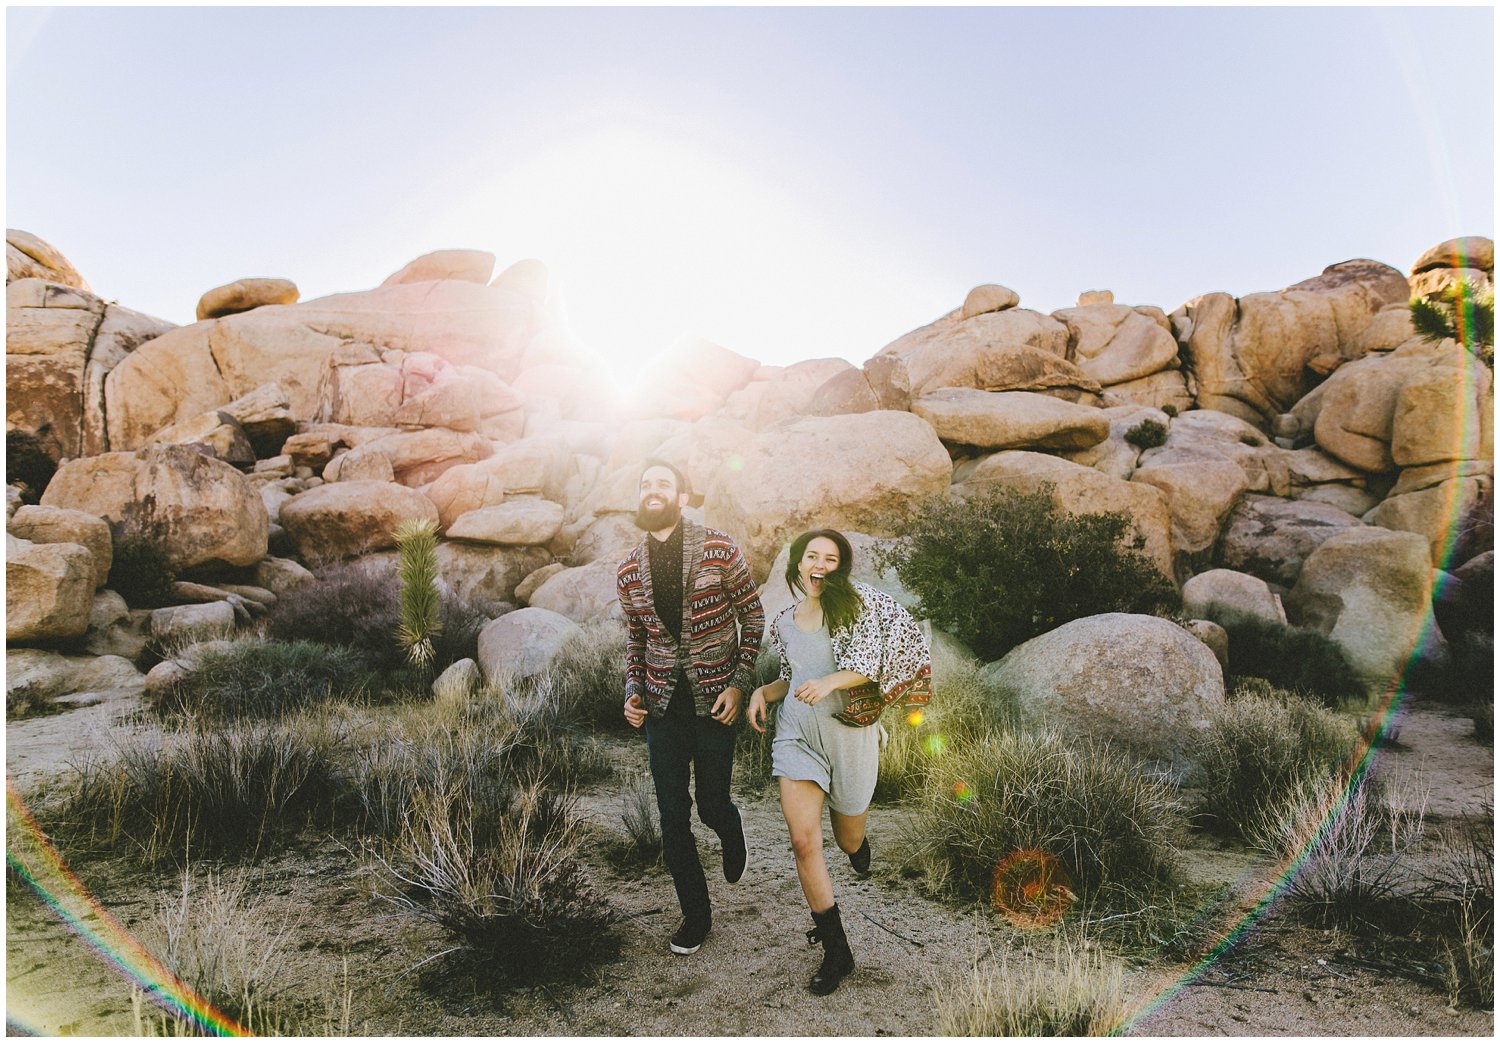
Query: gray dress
(810,744)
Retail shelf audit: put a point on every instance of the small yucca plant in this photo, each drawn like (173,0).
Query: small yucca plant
(420,599)
(1464,312)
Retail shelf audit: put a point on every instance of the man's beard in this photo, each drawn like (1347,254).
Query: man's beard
(655,519)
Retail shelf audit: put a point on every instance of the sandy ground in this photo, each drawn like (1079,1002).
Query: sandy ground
(749,978)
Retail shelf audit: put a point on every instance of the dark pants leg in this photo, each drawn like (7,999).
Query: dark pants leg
(678,747)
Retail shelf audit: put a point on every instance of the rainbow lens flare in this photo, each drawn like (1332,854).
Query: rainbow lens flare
(1031,889)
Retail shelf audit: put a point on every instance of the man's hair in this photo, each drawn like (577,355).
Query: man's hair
(683,485)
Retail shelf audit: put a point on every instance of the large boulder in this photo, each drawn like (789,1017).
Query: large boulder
(1113,343)
(1139,682)
(1223,595)
(843,472)
(1370,589)
(1270,538)
(976,352)
(882,383)
(1202,483)
(1082,490)
(58,525)
(692,378)
(524,520)
(1117,456)
(582,594)
(989,297)
(199,510)
(526,468)
(183,625)
(789,392)
(344,519)
(486,576)
(219,432)
(30,257)
(1357,409)
(196,368)
(464,265)
(60,343)
(1469,251)
(1256,356)
(1446,515)
(1010,419)
(522,644)
(49,590)
(245,295)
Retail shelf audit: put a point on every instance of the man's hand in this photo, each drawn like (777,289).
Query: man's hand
(727,707)
(635,711)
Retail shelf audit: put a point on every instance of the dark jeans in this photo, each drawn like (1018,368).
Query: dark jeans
(677,744)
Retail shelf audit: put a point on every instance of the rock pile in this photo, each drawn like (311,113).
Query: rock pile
(1319,460)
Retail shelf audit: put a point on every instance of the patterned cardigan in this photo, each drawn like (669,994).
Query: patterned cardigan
(884,644)
(722,622)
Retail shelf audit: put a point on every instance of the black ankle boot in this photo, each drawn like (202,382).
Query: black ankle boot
(838,961)
(859,861)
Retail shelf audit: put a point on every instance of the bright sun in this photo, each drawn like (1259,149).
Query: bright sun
(651,238)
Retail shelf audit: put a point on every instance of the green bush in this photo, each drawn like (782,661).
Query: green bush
(1169,409)
(1290,658)
(358,606)
(255,678)
(1148,434)
(1004,566)
(1107,823)
(1261,749)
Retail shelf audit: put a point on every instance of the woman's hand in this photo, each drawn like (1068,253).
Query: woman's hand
(755,713)
(819,688)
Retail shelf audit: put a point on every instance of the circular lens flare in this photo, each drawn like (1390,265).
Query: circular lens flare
(962,792)
(915,718)
(1031,889)
(934,745)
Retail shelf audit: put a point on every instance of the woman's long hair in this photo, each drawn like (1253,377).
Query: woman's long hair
(841,603)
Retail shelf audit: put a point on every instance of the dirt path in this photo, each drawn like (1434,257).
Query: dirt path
(749,977)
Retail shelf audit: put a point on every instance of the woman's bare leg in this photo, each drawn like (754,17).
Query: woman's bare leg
(802,805)
(848,830)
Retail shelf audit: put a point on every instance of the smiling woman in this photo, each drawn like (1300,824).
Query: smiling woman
(653,238)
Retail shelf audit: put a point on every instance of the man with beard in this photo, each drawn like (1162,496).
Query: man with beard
(694,621)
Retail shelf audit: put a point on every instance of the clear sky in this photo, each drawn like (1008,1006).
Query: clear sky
(791,183)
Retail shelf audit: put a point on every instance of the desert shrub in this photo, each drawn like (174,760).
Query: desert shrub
(1148,434)
(1096,814)
(586,679)
(1465,885)
(500,874)
(256,678)
(31,699)
(219,940)
(964,708)
(358,606)
(1004,566)
(1356,845)
(1078,992)
(244,790)
(140,571)
(477,748)
(28,463)
(638,814)
(1169,409)
(1259,751)
(1290,658)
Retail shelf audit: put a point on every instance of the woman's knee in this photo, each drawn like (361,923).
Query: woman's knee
(807,843)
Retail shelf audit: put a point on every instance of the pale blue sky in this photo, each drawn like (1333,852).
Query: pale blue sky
(790,183)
